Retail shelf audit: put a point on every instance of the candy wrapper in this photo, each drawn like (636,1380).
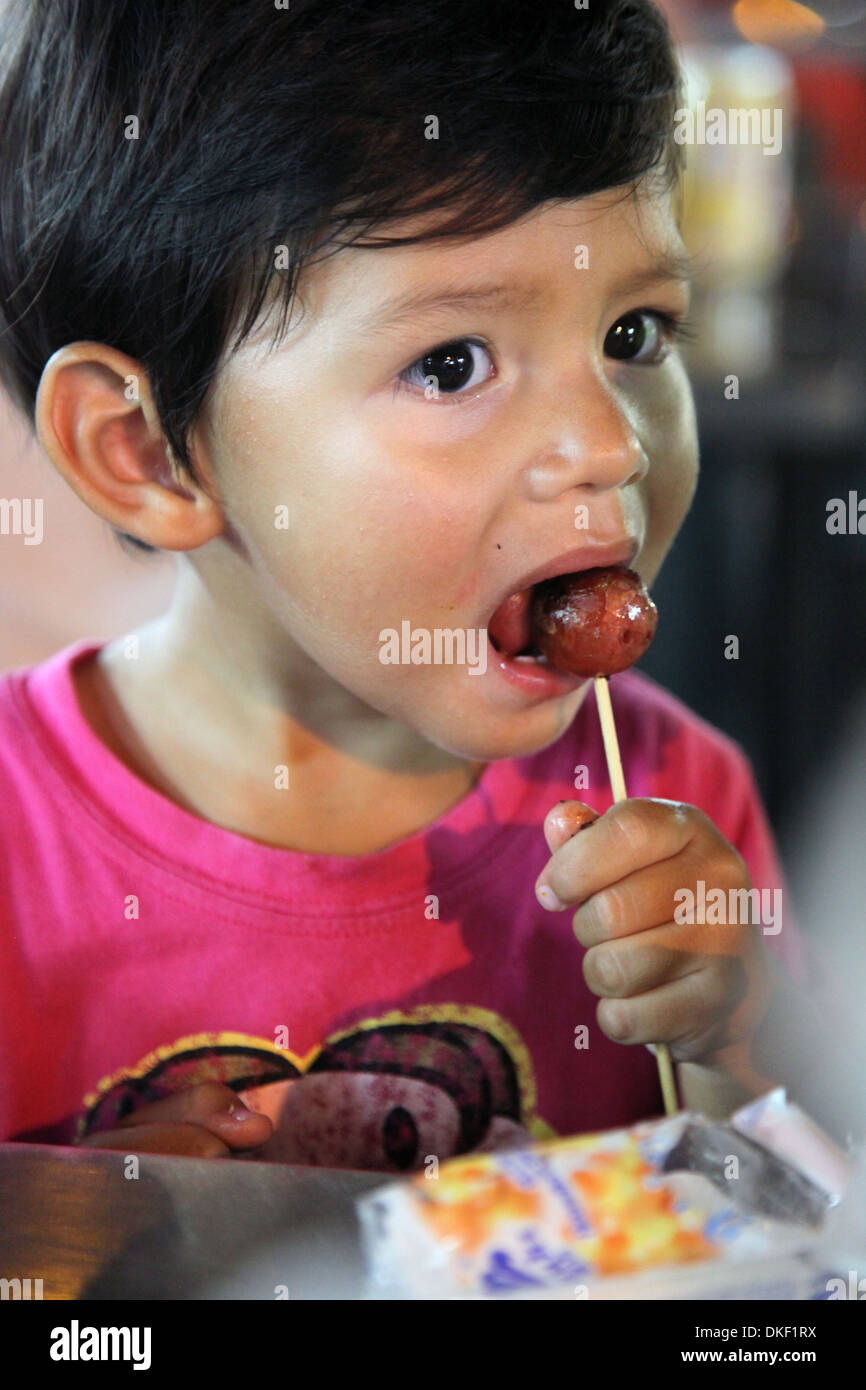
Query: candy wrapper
(675,1208)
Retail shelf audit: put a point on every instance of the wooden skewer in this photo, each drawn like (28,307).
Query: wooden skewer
(617,782)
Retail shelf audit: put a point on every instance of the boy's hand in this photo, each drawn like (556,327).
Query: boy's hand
(205,1121)
(702,989)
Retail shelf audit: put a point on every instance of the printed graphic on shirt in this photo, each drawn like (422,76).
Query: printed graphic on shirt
(389,1094)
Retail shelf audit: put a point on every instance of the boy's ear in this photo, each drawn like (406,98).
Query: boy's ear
(96,419)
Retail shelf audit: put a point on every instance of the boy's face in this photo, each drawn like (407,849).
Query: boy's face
(408,507)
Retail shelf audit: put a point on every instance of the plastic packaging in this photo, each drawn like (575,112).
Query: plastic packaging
(675,1208)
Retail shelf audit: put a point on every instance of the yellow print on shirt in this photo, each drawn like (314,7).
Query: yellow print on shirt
(387,1094)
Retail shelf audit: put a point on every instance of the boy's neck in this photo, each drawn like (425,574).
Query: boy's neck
(206,717)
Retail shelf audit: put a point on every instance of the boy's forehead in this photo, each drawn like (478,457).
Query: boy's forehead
(360,291)
(507,266)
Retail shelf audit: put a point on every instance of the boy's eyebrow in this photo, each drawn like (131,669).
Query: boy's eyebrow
(669,265)
(394,311)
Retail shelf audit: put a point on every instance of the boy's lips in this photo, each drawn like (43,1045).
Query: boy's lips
(510,625)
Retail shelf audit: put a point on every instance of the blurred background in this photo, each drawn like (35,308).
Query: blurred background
(766,555)
(779,374)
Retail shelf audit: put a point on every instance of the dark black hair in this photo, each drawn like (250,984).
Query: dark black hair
(305,126)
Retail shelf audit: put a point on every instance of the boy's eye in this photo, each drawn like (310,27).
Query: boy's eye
(640,336)
(449,369)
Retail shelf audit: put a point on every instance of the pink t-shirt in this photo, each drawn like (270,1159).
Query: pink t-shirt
(381,1007)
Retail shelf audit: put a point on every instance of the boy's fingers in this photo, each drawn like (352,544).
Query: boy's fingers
(636,964)
(630,836)
(648,899)
(565,820)
(669,1013)
(194,1103)
(639,902)
(192,1141)
(244,1129)
(211,1105)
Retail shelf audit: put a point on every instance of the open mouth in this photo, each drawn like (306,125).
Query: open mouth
(510,629)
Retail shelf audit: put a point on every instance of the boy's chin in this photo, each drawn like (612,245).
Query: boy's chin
(502,736)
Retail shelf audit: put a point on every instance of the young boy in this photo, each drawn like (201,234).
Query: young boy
(370,313)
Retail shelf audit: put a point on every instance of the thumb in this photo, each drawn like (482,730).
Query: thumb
(565,820)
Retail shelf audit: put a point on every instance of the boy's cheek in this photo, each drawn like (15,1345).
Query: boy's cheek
(672,445)
(361,556)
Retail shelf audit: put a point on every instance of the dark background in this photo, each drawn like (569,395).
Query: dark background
(754,557)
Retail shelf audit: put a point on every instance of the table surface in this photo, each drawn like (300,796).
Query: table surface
(184,1228)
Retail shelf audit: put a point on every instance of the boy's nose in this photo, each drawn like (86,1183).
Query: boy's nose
(586,440)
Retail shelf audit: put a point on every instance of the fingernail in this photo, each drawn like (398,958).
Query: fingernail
(548,898)
(574,820)
(235,1110)
(240,1112)
(616,1023)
